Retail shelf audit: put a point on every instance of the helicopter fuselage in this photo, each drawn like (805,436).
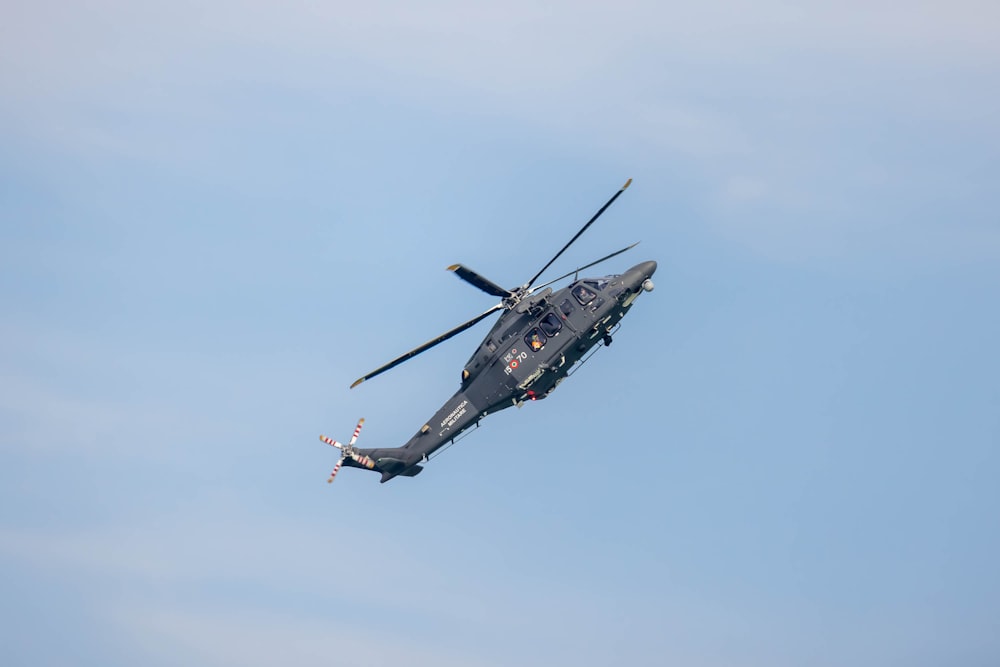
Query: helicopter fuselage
(531,348)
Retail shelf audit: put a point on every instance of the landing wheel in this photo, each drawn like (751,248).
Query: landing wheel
(607,340)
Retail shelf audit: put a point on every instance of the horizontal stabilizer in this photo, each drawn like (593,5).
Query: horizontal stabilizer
(412,471)
(391,465)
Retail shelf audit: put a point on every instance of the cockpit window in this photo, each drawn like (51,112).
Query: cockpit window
(598,284)
(566,307)
(583,294)
(535,339)
(550,325)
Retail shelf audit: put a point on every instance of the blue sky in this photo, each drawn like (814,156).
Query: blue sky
(214,217)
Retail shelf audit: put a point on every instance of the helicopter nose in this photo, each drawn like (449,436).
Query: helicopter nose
(647,269)
(639,274)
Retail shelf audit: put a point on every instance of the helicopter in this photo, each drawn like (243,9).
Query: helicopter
(540,338)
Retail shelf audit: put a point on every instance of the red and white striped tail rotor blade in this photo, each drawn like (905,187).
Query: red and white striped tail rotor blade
(363,460)
(336,469)
(357,430)
(348,451)
(331,441)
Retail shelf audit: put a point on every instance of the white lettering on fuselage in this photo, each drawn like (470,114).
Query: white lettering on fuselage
(513,359)
(450,420)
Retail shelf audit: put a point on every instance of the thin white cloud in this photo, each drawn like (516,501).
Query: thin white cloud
(41,418)
(249,637)
(510,55)
(213,540)
(167,584)
(132,567)
(734,91)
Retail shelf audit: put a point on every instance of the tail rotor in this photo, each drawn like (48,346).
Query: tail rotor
(348,451)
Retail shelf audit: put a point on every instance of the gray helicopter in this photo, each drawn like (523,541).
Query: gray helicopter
(540,338)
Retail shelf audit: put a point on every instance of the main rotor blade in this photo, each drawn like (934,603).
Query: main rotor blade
(428,345)
(586,266)
(589,223)
(476,280)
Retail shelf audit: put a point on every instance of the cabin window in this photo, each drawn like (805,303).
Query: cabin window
(583,294)
(550,325)
(566,307)
(535,339)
